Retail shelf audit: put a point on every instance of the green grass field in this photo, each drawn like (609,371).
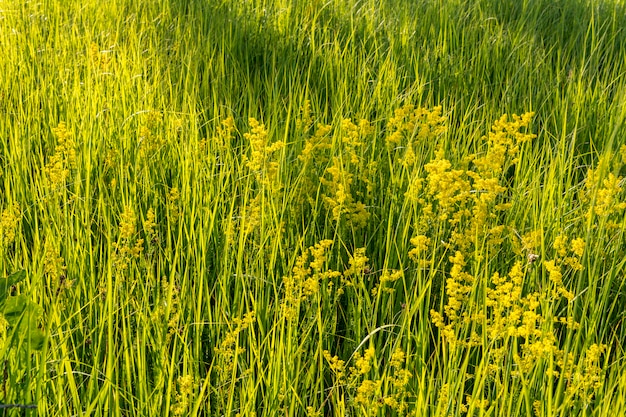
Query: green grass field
(320,208)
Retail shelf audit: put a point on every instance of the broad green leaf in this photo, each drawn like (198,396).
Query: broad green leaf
(22,315)
(7,282)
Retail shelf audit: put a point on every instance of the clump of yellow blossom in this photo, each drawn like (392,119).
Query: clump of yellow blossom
(261,161)
(221,141)
(63,160)
(9,221)
(54,268)
(411,126)
(151,136)
(4,330)
(507,316)
(229,347)
(587,378)
(473,403)
(469,195)
(389,277)
(98,58)
(336,365)
(316,145)
(343,190)
(504,141)
(421,244)
(604,194)
(606,201)
(312,412)
(173,205)
(263,165)
(444,403)
(339,198)
(168,308)
(458,287)
(225,133)
(306,277)
(358,263)
(128,246)
(150,224)
(365,386)
(182,397)
(568,256)
(398,378)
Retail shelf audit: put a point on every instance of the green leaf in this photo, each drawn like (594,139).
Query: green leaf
(7,282)
(22,315)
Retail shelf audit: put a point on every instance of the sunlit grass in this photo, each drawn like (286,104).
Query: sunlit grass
(315,208)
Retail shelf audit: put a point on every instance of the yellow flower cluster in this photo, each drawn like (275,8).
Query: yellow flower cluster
(307,275)
(469,198)
(504,143)
(363,363)
(358,263)
(364,390)
(608,194)
(229,348)
(458,288)
(314,158)
(603,196)
(388,277)
(421,244)
(342,191)
(353,137)
(262,161)
(150,231)
(448,187)
(173,205)
(98,58)
(304,122)
(337,366)
(54,268)
(150,224)
(568,255)
(182,398)
(225,133)
(312,412)
(556,277)
(338,197)
(504,299)
(516,330)
(398,378)
(128,246)
(412,125)
(335,164)
(587,379)
(443,401)
(531,243)
(168,309)
(63,160)
(251,215)
(221,141)
(9,221)
(473,403)
(151,137)
(4,327)
(366,393)
(264,167)
(316,146)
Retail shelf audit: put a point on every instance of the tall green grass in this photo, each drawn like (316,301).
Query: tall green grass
(174,257)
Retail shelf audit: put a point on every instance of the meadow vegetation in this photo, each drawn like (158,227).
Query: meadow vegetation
(320,208)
